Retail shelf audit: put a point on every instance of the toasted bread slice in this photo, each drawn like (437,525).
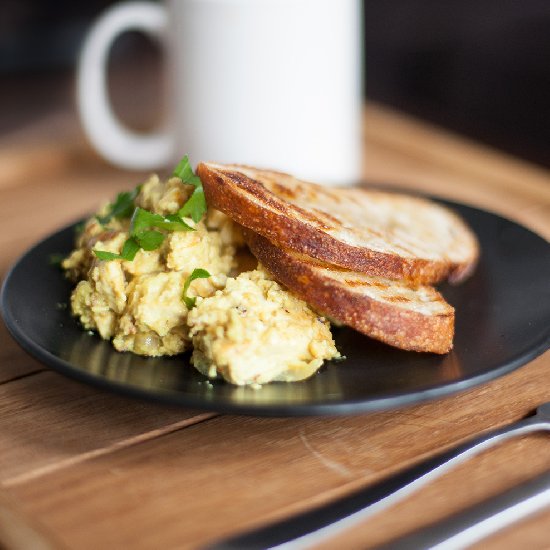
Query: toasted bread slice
(383,234)
(395,312)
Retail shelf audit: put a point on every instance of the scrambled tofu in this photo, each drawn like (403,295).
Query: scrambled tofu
(138,303)
(253,331)
(245,328)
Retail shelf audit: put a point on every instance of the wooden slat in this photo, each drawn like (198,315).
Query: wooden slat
(45,204)
(231,473)
(480,478)
(48,422)
(21,164)
(13,362)
(19,532)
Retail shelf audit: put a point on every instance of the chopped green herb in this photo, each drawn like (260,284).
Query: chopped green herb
(197,274)
(142,236)
(185,173)
(195,207)
(150,240)
(143,220)
(144,224)
(122,207)
(129,251)
(107,256)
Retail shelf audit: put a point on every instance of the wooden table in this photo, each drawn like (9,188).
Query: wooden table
(82,468)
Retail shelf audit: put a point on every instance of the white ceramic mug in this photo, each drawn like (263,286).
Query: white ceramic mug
(270,83)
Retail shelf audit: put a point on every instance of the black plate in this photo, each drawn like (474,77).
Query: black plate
(502,322)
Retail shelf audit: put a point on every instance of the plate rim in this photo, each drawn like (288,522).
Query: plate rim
(335,408)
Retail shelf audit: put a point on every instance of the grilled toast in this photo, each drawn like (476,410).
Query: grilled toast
(381,234)
(394,312)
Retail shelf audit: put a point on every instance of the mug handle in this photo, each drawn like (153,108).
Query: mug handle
(115,142)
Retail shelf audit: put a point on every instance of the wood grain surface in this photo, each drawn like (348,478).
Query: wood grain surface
(82,468)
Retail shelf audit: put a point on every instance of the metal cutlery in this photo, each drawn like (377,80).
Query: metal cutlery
(469,526)
(316,525)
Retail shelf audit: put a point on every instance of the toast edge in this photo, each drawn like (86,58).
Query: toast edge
(403,329)
(280,228)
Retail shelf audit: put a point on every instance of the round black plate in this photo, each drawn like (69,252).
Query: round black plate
(502,322)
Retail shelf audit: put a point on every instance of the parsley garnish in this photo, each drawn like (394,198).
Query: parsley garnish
(142,236)
(195,207)
(144,224)
(197,274)
(129,251)
(143,219)
(149,240)
(185,173)
(122,207)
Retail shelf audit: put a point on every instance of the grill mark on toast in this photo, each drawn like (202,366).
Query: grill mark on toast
(326,216)
(402,299)
(243,197)
(373,283)
(354,283)
(259,191)
(284,190)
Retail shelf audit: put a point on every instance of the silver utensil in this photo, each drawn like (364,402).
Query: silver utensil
(317,525)
(472,525)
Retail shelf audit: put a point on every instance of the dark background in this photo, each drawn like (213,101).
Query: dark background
(478,67)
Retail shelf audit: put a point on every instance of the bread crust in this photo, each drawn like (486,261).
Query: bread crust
(247,201)
(391,323)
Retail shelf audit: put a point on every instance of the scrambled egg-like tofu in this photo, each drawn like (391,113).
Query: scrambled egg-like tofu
(247,328)
(138,303)
(253,331)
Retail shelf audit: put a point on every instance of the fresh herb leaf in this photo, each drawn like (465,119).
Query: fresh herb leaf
(143,225)
(107,256)
(122,207)
(195,207)
(143,220)
(142,236)
(129,251)
(150,240)
(185,173)
(175,218)
(197,274)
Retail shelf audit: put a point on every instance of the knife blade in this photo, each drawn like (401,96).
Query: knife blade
(478,522)
(312,526)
